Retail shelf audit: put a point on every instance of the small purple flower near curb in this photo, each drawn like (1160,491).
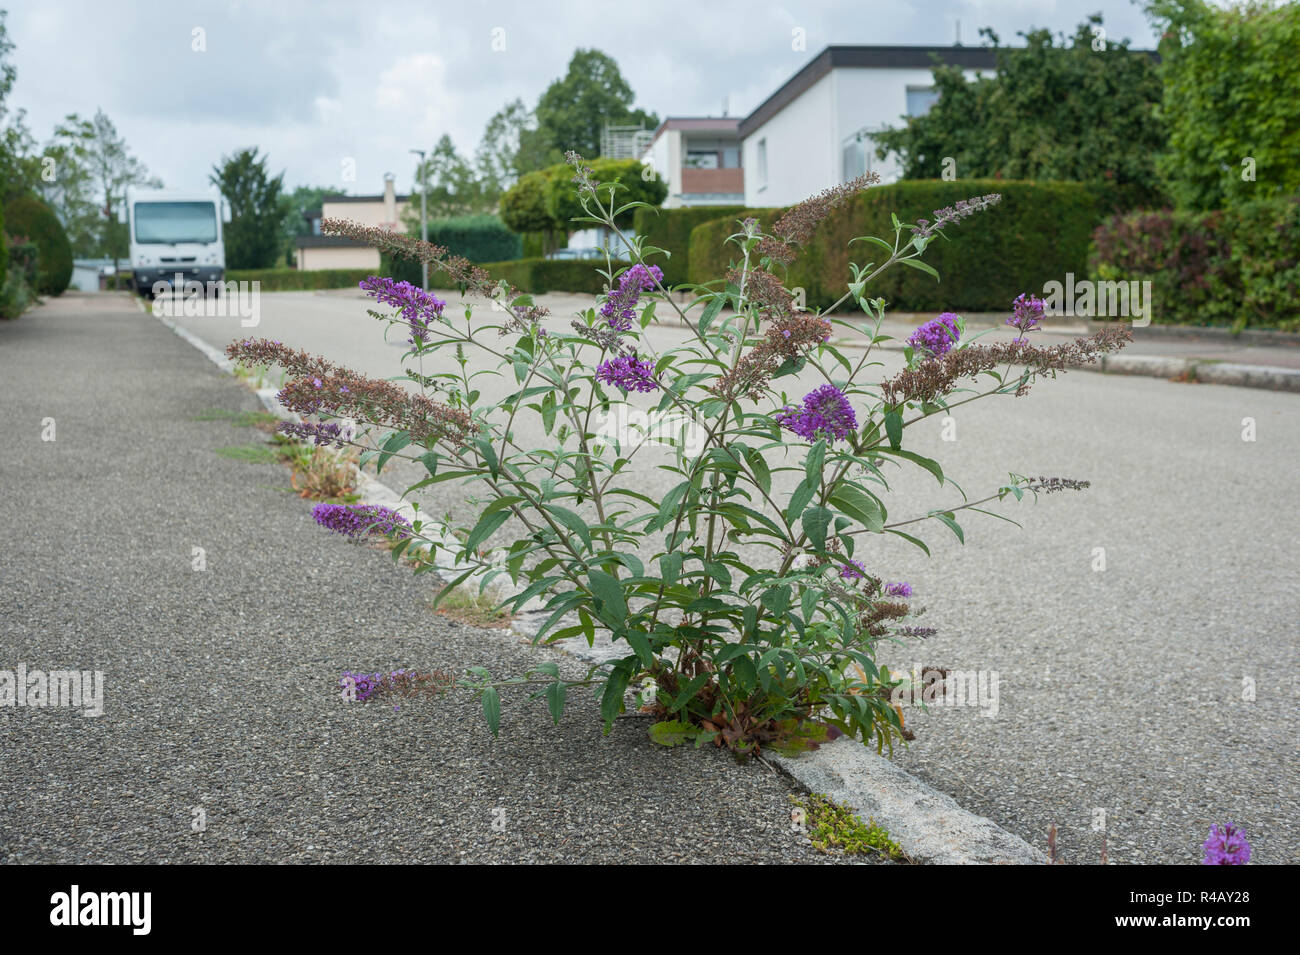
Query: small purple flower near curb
(825,413)
(898,590)
(937,337)
(1027,312)
(1226,846)
(357,520)
(627,372)
(853,570)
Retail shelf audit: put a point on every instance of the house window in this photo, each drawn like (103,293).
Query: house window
(920,99)
(857,155)
(701,159)
(762,164)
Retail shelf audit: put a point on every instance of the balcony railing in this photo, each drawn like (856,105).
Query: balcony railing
(713,180)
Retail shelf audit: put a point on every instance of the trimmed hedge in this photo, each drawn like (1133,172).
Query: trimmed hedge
(28,216)
(544,275)
(1238,267)
(288,280)
(1037,233)
(478,238)
(670,229)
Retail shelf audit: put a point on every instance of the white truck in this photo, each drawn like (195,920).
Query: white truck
(176,239)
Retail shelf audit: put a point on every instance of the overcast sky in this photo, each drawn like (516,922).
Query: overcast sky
(318,83)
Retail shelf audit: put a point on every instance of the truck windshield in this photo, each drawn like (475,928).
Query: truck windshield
(168,222)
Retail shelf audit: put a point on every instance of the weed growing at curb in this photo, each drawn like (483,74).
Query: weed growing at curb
(251,453)
(473,609)
(833,828)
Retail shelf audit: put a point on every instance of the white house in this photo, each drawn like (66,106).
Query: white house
(698,157)
(816,130)
(318,251)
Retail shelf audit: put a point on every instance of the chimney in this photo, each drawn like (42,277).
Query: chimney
(390,202)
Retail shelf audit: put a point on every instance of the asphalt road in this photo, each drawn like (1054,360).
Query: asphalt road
(1124,692)
(223,736)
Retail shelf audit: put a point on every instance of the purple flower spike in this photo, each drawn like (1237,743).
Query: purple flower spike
(825,413)
(937,337)
(898,590)
(627,372)
(1027,312)
(1226,846)
(853,570)
(357,520)
(416,306)
(619,307)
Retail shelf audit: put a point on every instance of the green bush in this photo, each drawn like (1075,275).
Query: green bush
(4,250)
(29,216)
(1037,233)
(544,275)
(287,280)
(479,238)
(1238,267)
(1231,101)
(670,230)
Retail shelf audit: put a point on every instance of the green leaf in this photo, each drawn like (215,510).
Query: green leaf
(484,529)
(908,537)
(710,313)
(860,506)
(918,264)
(894,428)
(548,412)
(930,465)
(672,732)
(947,519)
(555,694)
(608,593)
(799,500)
(611,702)
(812,467)
(815,520)
(570,520)
(396,442)
(492,708)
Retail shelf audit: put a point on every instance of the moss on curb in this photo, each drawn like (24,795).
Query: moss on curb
(833,828)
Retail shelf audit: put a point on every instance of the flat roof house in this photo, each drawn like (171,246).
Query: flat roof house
(817,130)
(318,251)
(698,157)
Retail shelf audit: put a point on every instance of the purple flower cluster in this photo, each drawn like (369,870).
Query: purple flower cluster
(319,432)
(627,372)
(1027,312)
(825,413)
(368,685)
(955,213)
(938,336)
(619,307)
(898,590)
(853,570)
(416,306)
(1226,846)
(357,520)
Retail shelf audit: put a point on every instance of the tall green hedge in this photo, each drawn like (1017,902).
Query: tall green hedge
(1238,267)
(1037,233)
(479,238)
(4,251)
(290,280)
(544,275)
(670,229)
(27,215)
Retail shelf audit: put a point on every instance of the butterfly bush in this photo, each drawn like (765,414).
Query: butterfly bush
(751,593)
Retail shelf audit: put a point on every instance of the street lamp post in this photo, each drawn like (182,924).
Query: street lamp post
(424,217)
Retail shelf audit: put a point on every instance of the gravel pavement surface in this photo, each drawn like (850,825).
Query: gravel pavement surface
(1154,696)
(221,683)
